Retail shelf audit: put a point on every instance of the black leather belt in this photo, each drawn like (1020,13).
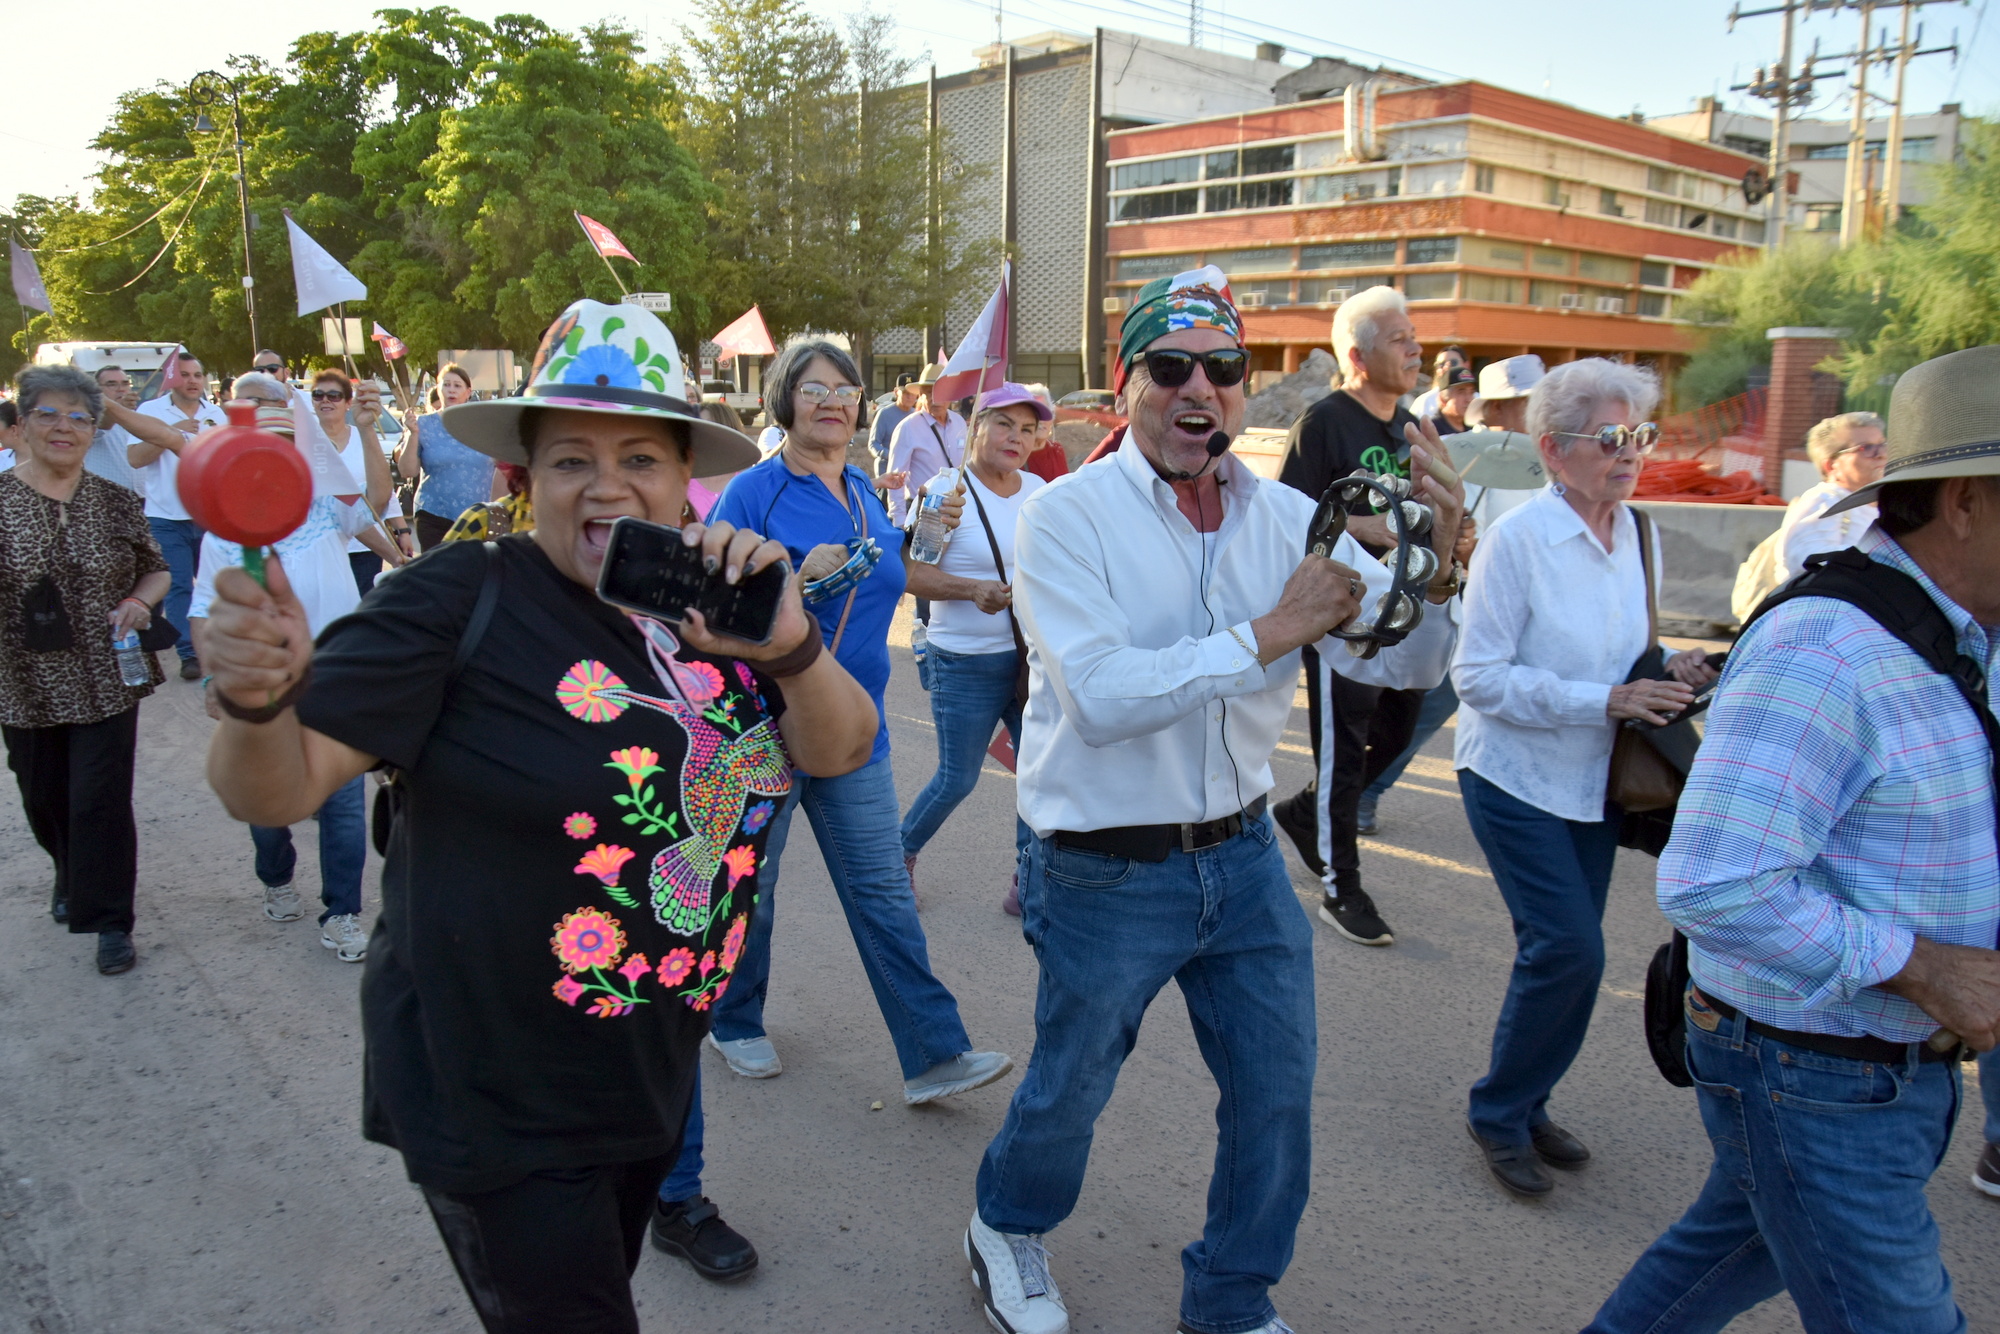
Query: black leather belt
(1152,842)
(1879,1050)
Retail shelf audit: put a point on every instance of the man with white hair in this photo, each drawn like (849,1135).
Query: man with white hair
(1357,729)
(1850,451)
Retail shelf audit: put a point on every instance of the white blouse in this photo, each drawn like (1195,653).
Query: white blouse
(1807,529)
(1552,622)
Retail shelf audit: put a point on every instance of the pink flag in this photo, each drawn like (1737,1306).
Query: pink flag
(981,360)
(746,337)
(393,348)
(602,240)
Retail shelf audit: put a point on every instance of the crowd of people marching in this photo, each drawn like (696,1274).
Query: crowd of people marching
(583,812)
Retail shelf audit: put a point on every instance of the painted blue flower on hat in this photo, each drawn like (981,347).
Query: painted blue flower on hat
(605,364)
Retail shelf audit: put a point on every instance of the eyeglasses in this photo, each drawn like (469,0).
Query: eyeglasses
(846,395)
(328,396)
(1172,367)
(46,417)
(1874,449)
(1612,439)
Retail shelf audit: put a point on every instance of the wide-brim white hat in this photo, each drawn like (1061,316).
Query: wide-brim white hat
(615,360)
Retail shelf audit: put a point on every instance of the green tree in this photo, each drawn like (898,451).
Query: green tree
(1801,283)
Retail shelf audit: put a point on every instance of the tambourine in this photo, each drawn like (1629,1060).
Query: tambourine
(863,553)
(1411,568)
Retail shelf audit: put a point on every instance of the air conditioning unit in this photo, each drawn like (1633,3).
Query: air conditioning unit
(1570,301)
(1248,299)
(1113,305)
(1611,305)
(1336,295)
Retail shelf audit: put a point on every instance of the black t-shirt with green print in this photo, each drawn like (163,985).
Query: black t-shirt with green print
(1335,436)
(571,882)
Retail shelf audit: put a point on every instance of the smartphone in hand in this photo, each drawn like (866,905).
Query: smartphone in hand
(649,569)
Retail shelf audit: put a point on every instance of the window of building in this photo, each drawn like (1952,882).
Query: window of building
(1143,267)
(1550,261)
(1653,305)
(1062,372)
(1482,179)
(1268,160)
(1661,181)
(1165,171)
(1554,193)
(1263,194)
(1486,287)
(1827,152)
(1254,294)
(1496,254)
(1921,149)
(1610,268)
(1349,254)
(1233,262)
(1332,291)
(1694,219)
(1608,205)
(1430,286)
(1743,143)
(1223,166)
(1722,225)
(1221,198)
(1432,249)
(1552,294)
(1663,214)
(1822,217)
(1918,150)
(1162,204)
(1753,232)
(1652,274)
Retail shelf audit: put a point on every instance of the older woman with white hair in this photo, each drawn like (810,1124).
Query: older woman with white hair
(1850,451)
(1555,618)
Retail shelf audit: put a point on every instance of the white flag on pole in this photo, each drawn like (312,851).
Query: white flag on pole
(321,279)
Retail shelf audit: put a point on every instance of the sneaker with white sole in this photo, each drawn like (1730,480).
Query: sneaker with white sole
(342,934)
(1271,1326)
(281,903)
(1012,1275)
(753,1058)
(961,1074)
(1986,1176)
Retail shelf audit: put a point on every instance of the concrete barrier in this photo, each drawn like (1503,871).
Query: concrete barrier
(1701,548)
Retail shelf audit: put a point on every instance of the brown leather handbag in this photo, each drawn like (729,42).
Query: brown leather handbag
(1649,765)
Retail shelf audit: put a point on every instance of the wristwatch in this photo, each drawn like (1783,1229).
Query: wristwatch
(1445,590)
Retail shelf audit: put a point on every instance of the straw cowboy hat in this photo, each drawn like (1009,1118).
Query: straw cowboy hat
(615,360)
(1944,421)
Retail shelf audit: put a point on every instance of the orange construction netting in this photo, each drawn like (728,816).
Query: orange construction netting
(1686,480)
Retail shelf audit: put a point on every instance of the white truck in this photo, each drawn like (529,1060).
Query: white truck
(141,361)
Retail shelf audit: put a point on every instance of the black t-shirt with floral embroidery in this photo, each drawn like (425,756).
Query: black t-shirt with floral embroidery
(573,876)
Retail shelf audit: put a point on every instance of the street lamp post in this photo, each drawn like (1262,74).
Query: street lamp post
(205,90)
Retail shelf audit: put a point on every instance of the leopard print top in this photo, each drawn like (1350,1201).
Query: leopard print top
(97,546)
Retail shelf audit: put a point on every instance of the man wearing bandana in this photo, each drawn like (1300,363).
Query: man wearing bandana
(1164,594)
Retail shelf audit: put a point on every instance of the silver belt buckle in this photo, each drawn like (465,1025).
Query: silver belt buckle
(1187,839)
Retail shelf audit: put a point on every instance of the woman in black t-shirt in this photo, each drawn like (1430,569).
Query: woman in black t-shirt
(583,804)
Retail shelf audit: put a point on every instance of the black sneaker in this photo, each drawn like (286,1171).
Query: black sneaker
(59,906)
(1298,816)
(1986,1177)
(1353,915)
(694,1230)
(190,669)
(115,953)
(1557,1147)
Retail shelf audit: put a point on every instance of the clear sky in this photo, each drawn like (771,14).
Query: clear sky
(1608,56)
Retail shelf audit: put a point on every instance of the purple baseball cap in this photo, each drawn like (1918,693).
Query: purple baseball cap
(1008,394)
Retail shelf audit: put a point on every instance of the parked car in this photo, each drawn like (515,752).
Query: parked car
(1099,407)
(725,391)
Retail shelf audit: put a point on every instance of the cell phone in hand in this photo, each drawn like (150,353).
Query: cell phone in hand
(649,569)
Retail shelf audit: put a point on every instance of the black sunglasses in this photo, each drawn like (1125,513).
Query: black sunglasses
(327,396)
(270,370)
(1172,367)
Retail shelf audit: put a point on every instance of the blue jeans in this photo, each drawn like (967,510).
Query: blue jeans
(1554,874)
(684,1182)
(343,849)
(1817,1189)
(180,543)
(1109,933)
(971,693)
(1439,704)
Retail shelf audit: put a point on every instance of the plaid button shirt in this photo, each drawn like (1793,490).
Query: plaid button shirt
(1841,805)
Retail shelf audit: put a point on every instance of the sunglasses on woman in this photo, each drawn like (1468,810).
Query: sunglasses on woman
(846,395)
(1612,439)
(328,396)
(1172,367)
(1874,449)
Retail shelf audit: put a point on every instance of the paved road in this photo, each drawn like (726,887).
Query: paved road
(179,1146)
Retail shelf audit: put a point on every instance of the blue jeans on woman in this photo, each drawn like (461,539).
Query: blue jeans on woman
(971,693)
(1554,874)
(1817,1189)
(1109,933)
(343,850)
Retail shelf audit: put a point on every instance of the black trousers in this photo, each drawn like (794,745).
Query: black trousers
(554,1252)
(431,528)
(366,565)
(76,786)
(1357,732)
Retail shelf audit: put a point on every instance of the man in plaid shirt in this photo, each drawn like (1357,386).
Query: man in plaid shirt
(1833,866)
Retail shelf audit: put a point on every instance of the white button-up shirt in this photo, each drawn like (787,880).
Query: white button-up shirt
(163,495)
(107,458)
(1146,702)
(1807,529)
(915,449)
(1552,622)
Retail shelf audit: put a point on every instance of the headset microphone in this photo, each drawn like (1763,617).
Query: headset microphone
(1218,444)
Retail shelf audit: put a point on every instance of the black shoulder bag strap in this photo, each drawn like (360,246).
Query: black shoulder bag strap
(389,795)
(1013,622)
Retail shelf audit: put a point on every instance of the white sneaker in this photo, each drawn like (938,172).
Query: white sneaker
(1273,1326)
(281,903)
(753,1058)
(1012,1275)
(962,1073)
(342,934)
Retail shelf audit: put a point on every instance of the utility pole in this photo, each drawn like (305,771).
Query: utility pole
(1777,85)
(1854,186)
(1194,22)
(1892,152)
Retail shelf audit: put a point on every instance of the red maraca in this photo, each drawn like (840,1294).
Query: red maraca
(245,485)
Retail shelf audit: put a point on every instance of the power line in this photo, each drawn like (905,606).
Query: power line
(1965,56)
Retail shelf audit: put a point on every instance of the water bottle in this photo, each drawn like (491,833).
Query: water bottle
(929,535)
(133,669)
(920,642)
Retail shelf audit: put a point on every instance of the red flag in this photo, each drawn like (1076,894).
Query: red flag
(747,336)
(981,360)
(393,348)
(602,240)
